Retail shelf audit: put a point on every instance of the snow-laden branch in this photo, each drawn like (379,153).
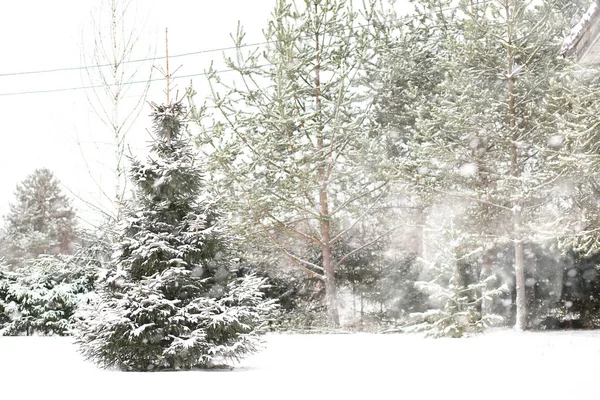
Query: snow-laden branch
(358,197)
(297,261)
(364,246)
(293,230)
(360,218)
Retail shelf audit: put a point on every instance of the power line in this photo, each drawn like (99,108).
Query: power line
(45,71)
(223,71)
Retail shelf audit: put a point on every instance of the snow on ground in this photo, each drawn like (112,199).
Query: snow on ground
(498,365)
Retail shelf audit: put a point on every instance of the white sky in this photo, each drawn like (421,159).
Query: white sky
(43,130)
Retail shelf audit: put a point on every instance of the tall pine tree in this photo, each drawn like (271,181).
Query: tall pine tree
(495,124)
(482,119)
(293,136)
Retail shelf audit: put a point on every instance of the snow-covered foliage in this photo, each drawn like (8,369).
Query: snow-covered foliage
(299,296)
(485,125)
(457,307)
(456,291)
(292,138)
(143,326)
(172,299)
(40,221)
(42,297)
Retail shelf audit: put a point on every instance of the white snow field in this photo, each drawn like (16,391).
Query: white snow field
(498,365)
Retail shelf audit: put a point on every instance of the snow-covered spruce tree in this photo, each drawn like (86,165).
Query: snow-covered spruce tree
(40,221)
(293,139)
(172,300)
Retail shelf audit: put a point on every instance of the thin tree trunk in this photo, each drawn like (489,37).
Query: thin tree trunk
(534,307)
(362,306)
(119,150)
(330,285)
(324,223)
(353,300)
(521,317)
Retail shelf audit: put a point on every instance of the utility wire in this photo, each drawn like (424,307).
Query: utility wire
(45,71)
(223,71)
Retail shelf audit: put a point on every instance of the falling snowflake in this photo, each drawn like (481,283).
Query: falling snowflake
(556,141)
(468,170)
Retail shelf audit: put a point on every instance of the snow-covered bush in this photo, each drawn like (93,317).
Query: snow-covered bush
(171,299)
(6,309)
(456,304)
(383,290)
(42,297)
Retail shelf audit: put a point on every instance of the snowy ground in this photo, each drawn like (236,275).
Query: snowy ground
(498,365)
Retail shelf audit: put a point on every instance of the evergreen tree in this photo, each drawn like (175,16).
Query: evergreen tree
(41,221)
(452,284)
(491,125)
(293,137)
(407,85)
(172,299)
(416,59)
(6,313)
(495,126)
